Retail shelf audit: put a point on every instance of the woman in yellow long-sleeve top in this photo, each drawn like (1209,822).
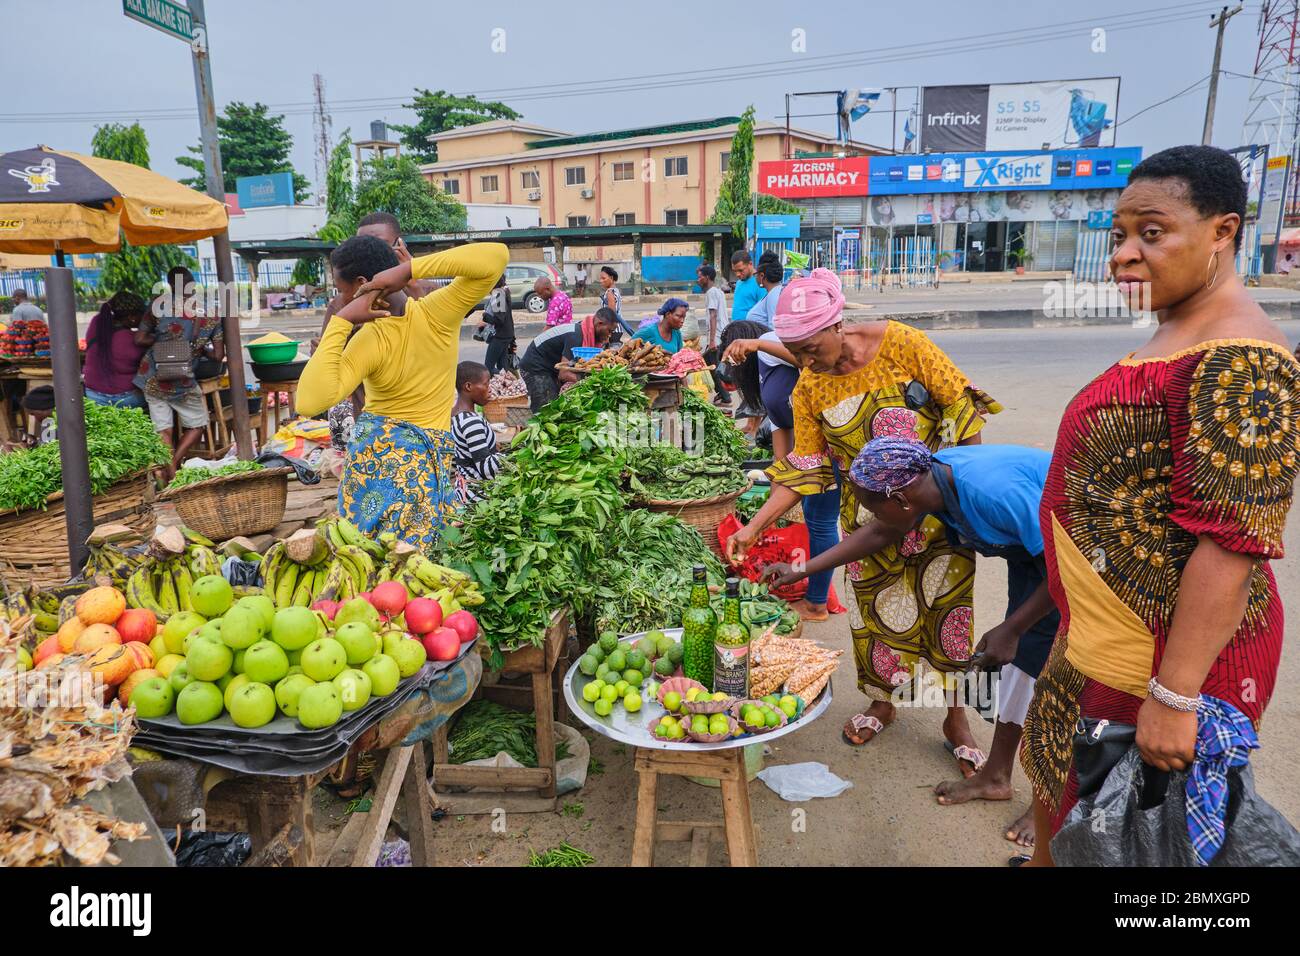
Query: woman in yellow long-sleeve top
(400,474)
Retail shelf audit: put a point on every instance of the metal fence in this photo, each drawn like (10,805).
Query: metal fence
(270,275)
(1092,259)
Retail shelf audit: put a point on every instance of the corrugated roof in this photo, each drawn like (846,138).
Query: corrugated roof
(687,127)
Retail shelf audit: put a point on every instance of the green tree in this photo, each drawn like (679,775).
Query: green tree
(135,268)
(340,208)
(440,111)
(735,197)
(252,143)
(395,184)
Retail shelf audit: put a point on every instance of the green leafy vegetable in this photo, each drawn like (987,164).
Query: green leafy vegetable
(721,436)
(189,476)
(484,729)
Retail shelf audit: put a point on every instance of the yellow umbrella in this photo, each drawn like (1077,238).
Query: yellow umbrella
(57,201)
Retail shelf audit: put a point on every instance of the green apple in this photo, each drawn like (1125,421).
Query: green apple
(391,638)
(265,662)
(358,641)
(242,627)
(294,656)
(319,706)
(24,660)
(263,605)
(354,688)
(294,627)
(224,681)
(178,627)
(153,698)
(159,648)
(208,660)
(211,631)
(237,665)
(324,659)
(236,681)
(253,705)
(287,691)
(383,673)
(180,677)
(199,702)
(409,655)
(295,669)
(357,609)
(211,595)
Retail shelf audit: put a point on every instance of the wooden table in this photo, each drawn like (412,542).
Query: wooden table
(39,374)
(737,828)
(270,418)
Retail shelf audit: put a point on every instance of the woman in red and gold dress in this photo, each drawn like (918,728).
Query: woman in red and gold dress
(1168,492)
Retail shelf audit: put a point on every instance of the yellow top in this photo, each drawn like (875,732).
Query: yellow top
(406,362)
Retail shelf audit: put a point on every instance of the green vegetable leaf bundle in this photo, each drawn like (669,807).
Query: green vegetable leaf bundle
(484,729)
(119,442)
(721,436)
(188,476)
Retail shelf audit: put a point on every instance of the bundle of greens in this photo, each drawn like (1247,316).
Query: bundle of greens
(721,436)
(649,464)
(562,855)
(690,479)
(484,729)
(119,442)
(188,476)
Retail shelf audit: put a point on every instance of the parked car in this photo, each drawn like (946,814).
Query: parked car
(520,278)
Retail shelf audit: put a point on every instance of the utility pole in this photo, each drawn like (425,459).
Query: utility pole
(1220,21)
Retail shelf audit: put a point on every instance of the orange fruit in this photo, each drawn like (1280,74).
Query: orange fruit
(102,605)
(94,637)
(68,633)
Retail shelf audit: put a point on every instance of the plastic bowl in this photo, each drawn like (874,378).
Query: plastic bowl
(273,353)
(279,372)
(582,352)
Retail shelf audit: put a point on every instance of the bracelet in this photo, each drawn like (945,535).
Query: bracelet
(1188,705)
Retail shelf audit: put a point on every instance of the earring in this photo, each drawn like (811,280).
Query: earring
(1214,259)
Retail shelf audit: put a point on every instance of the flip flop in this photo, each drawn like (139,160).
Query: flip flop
(971,755)
(860,722)
(1019,860)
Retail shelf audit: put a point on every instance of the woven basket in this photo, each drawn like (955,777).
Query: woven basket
(495,410)
(34,543)
(702,514)
(245,503)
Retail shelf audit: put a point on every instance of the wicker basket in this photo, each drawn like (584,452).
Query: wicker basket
(702,514)
(34,543)
(495,410)
(245,503)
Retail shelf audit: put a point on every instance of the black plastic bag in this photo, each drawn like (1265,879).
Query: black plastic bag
(1139,818)
(205,848)
(240,572)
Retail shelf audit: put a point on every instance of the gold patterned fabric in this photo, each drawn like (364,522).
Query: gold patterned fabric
(914,602)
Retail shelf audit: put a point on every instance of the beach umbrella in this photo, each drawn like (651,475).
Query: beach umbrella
(55,202)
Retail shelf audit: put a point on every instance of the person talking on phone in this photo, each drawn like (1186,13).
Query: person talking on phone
(987,497)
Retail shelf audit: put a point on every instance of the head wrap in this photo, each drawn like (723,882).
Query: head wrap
(807,305)
(673,303)
(890,464)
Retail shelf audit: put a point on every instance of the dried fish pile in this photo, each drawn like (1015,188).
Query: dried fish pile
(801,665)
(56,746)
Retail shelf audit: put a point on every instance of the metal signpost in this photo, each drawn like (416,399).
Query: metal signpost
(190,24)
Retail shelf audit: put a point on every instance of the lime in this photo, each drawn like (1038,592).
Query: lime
(719,696)
(788,699)
(719,726)
(788,707)
(600,684)
(633,676)
(676,733)
(675,653)
(699,724)
(588,664)
(602,670)
(632,702)
(608,641)
(636,660)
(657,636)
(672,701)
(666,721)
(663,645)
(647,646)
(664,667)
(772,718)
(661,730)
(591,693)
(737,730)
(617,660)
(609,693)
(603,707)
(651,689)
(596,652)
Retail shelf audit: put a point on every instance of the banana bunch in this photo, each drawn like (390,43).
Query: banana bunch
(312,566)
(41,606)
(161,582)
(341,533)
(109,561)
(423,578)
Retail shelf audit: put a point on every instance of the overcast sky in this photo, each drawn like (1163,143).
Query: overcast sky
(85,60)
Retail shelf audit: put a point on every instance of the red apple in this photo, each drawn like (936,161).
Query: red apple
(389,597)
(327,607)
(137,624)
(46,648)
(442,644)
(423,615)
(464,624)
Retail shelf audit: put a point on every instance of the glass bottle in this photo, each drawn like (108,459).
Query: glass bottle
(731,647)
(698,626)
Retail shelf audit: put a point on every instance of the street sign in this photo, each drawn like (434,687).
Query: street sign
(163,15)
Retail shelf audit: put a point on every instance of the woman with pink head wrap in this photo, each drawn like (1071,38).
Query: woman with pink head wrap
(912,602)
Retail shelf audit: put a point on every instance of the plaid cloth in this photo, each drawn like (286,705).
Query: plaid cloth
(1224,739)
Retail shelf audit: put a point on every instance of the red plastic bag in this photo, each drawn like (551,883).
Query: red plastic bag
(774,546)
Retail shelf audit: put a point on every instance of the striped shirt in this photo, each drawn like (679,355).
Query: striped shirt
(477,458)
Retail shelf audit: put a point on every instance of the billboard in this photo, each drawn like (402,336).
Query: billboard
(802,178)
(1012,206)
(1055,114)
(980,172)
(274,189)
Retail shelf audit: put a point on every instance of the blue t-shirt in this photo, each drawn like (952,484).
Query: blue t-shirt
(651,334)
(747,295)
(765,310)
(1000,488)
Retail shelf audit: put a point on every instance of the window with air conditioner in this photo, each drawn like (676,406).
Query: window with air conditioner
(625,219)
(488,184)
(624,172)
(577,222)
(529,180)
(675,217)
(575,175)
(675,166)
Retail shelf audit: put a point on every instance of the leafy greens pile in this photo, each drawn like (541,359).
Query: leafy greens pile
(119,442)
(188,476)
(721,436)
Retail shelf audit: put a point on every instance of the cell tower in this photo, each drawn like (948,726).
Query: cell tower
(321,131)
(1273,114)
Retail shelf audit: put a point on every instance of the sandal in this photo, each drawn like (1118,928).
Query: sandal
(964,754)
(852,732)
(1019,860)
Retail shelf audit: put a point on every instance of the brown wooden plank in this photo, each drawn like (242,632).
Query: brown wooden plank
(381,806)
(736,814)
(643,838)
(683,831)
(461,775)
(545,710)
(717,764)
(280,849)
(700,846)
(418,809)
(471,804)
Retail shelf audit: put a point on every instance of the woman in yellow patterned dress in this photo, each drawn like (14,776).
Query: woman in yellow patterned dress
(913,602)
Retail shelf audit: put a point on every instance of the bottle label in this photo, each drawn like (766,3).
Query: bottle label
(731,670)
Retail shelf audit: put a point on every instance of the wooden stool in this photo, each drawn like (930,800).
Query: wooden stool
(540,663)
(403,778)
(216,434)
(270,420)
(726,766)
